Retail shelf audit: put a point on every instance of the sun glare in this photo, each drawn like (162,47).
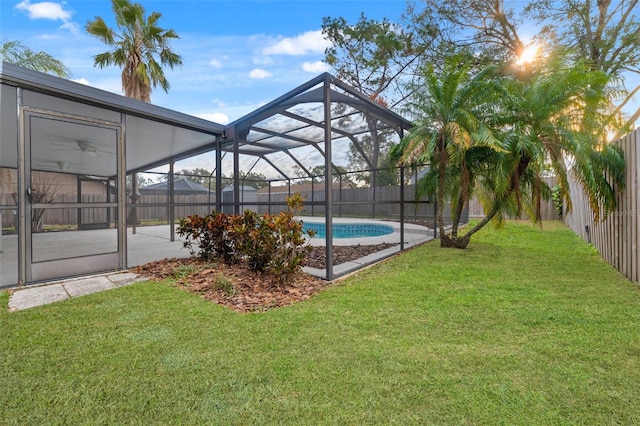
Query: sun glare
(529,54)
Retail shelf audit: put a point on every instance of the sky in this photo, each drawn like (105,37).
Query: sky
(237,54)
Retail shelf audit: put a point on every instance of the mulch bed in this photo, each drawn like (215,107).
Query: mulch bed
(243,290)
(342,254)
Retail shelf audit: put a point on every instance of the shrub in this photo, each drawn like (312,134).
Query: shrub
(289,248)
(254,239)
(556,195)
(212,234)
(269,244)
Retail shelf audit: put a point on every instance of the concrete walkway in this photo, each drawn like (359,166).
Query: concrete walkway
(29,297)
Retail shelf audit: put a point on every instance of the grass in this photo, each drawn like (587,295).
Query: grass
(527,326)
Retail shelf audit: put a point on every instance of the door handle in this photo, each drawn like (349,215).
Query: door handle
(29,193)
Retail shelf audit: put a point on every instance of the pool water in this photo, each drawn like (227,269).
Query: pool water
(349,230)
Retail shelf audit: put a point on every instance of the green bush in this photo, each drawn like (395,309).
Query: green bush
(212,234)
(557,200)
(270,244)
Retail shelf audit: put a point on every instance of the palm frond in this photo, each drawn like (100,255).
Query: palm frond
(141,48)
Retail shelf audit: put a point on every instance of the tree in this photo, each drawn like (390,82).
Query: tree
(605,34)
(198,175)
(17,53)
(553,122)
(44,188)
(359,165)
(338,174)
(375,57)
(256,180)
(498,136)
(385,174)
(450,132)
(486,27)
(136,47)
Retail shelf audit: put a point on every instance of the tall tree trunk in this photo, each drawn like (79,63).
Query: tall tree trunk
(442,170)
(375,148)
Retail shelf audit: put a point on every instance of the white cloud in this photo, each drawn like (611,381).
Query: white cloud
(52,11)
(317,67)
(259,74)
(216,117)
(82,81)
(215,63)
(304,44)
(44,10)
(73,27)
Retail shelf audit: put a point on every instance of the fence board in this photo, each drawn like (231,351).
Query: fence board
(616,237)
(633,236)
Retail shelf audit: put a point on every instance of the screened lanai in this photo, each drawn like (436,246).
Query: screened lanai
(65,152)
(72,159)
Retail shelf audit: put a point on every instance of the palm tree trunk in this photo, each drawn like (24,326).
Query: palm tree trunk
(463,241)
(464,189)
(442,170)
(457,215)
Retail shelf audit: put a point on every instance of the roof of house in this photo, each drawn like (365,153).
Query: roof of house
(301,187)
(229,188)
(180,185)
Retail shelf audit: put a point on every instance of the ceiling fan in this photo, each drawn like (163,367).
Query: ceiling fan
(62,166)
(84,146)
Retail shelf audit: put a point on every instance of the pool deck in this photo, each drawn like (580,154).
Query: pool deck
(413,235)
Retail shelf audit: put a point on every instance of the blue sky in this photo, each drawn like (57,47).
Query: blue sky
(237,55)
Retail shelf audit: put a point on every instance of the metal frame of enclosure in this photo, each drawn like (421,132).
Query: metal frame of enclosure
(310,117)
(99,141)
(53,128)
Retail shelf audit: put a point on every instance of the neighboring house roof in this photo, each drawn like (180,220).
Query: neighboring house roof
(242,188)
(302,187)
(419,174)
(180,186)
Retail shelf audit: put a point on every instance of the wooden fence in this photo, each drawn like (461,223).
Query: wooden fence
(94,216)
(384,202)
(547,209)
(616,238)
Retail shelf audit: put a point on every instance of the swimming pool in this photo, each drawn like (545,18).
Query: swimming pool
(349,230)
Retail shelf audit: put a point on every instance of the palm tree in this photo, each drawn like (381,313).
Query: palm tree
(17,53)
(501,147)
(554,123)
(451,135)
(136,47)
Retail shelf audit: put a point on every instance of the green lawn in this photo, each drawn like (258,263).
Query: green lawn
(527,326)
